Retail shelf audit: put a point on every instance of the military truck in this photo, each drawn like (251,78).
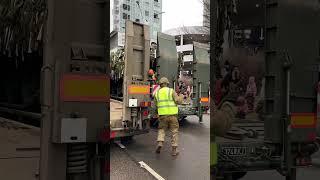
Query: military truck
(166,63)
(129,115)
(266,70)
(138,85)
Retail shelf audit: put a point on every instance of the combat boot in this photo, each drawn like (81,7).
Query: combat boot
(158,150)
(175,151)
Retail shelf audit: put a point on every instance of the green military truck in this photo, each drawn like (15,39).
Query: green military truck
(266,70)
(166,63)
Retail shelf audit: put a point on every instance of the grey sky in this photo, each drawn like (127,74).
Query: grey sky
(178,13)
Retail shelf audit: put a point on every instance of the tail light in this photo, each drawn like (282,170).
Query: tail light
(204,99)
(145,104)
(303,161)
(312,136)
(145,113)
(107,168)
(113,134)
(105,136)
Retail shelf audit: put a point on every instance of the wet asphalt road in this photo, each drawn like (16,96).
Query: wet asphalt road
(191,164)
(123,166)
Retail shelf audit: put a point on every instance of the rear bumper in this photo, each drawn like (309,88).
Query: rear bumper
(126,133)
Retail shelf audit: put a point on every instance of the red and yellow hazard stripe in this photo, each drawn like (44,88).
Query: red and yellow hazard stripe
(303,120)
(139,89)
(86,88)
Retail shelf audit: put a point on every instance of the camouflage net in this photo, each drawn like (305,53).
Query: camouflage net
(21,26)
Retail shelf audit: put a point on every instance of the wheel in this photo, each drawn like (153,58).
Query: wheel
(238,175)
(154,122)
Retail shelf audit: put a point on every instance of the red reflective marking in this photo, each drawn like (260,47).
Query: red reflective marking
(105,136)
(155,87)
(107,169)
(145,113)
(113,134)
(312,136)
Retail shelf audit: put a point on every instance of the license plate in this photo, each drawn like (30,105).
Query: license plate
(234,151)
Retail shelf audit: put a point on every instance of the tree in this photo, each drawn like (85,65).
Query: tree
(117,64)
(22,25)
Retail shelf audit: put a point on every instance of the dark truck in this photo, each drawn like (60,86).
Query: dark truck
(266,71)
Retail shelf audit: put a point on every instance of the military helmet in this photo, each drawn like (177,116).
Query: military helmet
(164,80)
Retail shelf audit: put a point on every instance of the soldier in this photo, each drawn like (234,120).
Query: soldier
(166,100)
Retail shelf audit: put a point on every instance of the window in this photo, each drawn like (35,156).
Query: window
(147,13)
(147,3)
(125,16)
(157,5)
(156,1)
(126,7)
(156,16)
(137,20)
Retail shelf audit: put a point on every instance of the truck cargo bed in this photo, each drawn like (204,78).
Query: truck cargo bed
(115,114)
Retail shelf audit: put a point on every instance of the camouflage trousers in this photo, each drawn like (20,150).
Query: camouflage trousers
(172,123)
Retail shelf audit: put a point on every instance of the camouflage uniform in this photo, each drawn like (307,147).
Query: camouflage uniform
(168,121)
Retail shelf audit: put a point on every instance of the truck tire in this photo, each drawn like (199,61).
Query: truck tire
(238,175)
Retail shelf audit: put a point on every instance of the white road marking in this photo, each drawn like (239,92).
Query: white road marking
(150,170)
(120,145)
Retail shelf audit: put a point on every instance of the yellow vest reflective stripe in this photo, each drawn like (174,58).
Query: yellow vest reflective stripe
(165,102)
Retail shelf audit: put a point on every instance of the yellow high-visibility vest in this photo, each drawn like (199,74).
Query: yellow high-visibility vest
(165,102)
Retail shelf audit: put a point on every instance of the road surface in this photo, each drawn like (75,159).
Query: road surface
(191,164)
(19,152)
